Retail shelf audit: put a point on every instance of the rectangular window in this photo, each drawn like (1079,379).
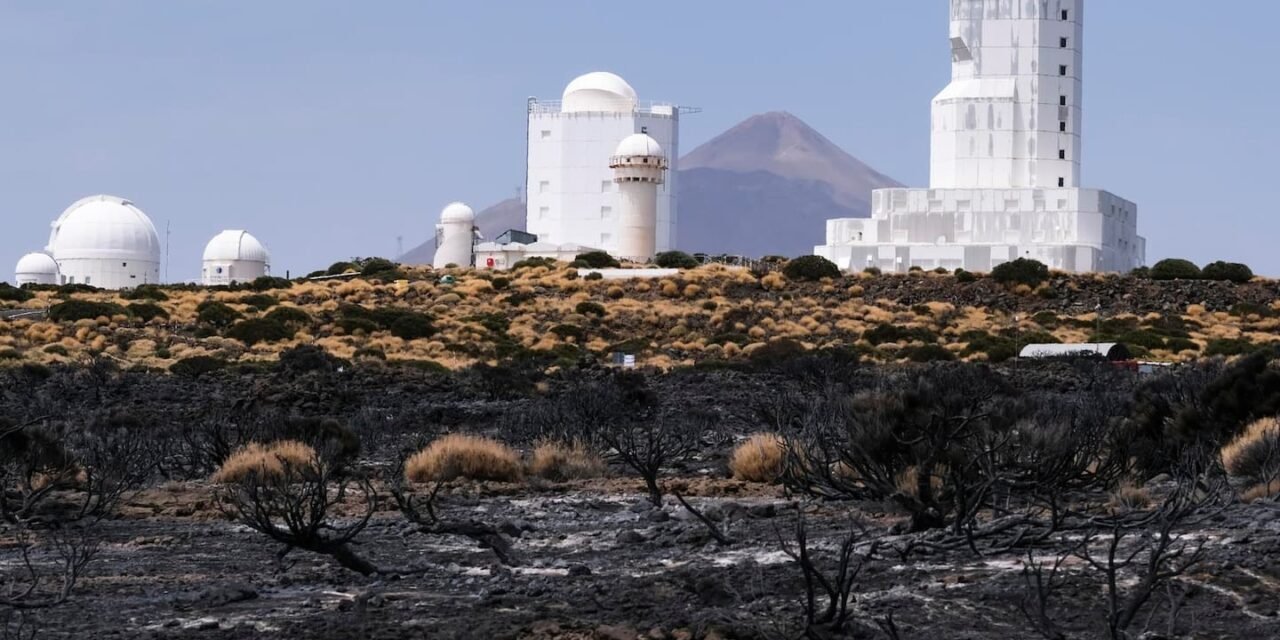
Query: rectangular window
(1062,154)
(544,213)
(546,134)
(544,186)
(606,212)
(1062,182)
(1062,100)
(606,186)
(1062,70)
(1062,126)
(1062,42)
(606,239)
(1066,15)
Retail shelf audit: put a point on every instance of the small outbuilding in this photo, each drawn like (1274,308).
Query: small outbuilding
(1113,351)
(234,256)
(37,268)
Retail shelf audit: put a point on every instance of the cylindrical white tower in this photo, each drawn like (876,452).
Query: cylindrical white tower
(36,268)
(106,242)
(639,166)
(455,236)
(234,256)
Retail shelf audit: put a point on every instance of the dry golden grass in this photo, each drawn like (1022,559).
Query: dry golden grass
(464,456)
(1255,453)
(1261,491)
(558,461)
(909,481)
(264,461)
(1129,496)
(762,458)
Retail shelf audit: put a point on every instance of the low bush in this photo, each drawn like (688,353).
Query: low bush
(500,283)
(530,263)
(1175,269)
(996,348)
(147,312)
(264,461)
(9,353)
(598,260)
(588,308)
(559,462)
(464,456)
(1230,347)
(269,283)
(145,292)
(1129,496)
(675,260)
(1246,309)
(566,331)
(593,276)
(1228,271)
(73,310)
(196,366)
(56,349)
(10,293)
(377,266)
(810,268)
(255,330)
(260,301)
(927,353)
(290,317)
(1255,454)
(1021,271)
(887,333)
(963,276)
(762,458)
(412,326)
(216,314)
(339,268)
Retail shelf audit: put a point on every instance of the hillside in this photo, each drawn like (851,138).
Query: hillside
(765,186)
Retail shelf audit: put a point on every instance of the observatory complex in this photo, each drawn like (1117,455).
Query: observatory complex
(572,195)
(102,241)
(1005,165)
(234,256)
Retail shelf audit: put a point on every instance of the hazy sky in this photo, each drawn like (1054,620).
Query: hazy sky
(329,128)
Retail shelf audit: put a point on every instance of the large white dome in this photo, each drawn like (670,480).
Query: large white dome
(639,144)
(457,212)
(104,228)
(36,268)
(236,246)
(599,91)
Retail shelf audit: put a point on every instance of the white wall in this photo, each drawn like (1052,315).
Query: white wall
(571,196)
(109,273)
(223,272)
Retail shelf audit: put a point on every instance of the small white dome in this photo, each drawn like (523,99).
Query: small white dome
(639,144)
(457,212)
(104,228)
(600,91)
(236,246)
(38,268)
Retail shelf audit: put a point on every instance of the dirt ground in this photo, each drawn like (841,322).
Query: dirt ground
(597,561)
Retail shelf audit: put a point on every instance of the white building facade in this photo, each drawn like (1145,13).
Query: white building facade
(639,168)
(1005,159)
(234,256)
(571,196)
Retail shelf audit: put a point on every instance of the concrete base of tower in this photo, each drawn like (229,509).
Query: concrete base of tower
(1077,230)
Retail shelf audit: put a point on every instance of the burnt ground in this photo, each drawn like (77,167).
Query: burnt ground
(599,562)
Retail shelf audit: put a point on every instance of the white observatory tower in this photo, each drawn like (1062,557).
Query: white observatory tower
(639,168)
(1005,164)
(234,256)
(105,242)
(571,197)
(455,236)
(36,268)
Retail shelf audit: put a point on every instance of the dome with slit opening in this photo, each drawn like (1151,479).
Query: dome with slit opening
(599,91)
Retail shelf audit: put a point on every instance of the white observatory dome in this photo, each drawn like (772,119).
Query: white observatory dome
(457,212)
(36,268)
(639,145)
(600,92)
(107,242)
(234,256)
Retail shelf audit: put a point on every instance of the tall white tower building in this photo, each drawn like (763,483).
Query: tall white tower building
(455,236)
(1005,158)
(639,169)
(570,191)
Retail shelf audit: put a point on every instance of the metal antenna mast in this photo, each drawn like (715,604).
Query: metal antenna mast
(166,250)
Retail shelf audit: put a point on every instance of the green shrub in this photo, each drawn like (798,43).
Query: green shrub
(1175,269)
(216,314)
(350,326)
(529,263)
(594,275)
(598,260)
(268,283)
(740,339)
(196,366)
(163,353)
(145,292)
(260,301)
(68,290)
(872,271)
(375,266)
(56,349)
(412,326)
(9,353)
(14,294)
(500,283)
(997,348)
(290,317)
(810,268)
(73,310)
(1021,271)
(369,353)
(339,268)
(1141,273)
(589,308)
(1228,271)
(147,312)
(1246,309)
(927,353)
(886,333)
(675,260)
(1178,345)
(1230,347)
(569,331)
(255,330)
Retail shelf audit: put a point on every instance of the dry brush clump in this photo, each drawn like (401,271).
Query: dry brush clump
(559,462)
(466,456)
(266,461)
(762,458)
(1254,456)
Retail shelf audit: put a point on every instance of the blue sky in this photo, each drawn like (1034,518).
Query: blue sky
(328,128)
